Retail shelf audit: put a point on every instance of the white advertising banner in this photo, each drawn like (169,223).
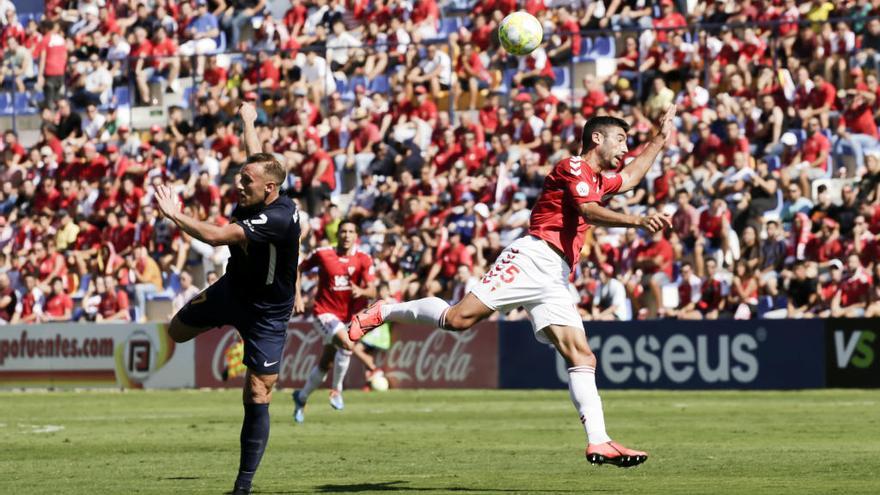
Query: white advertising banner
(91,355)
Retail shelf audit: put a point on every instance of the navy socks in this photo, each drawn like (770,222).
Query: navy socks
(254,436)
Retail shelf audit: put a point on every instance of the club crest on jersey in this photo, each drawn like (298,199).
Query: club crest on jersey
(351,270)
(582,188)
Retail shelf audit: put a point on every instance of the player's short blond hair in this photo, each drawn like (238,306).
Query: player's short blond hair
(271,166)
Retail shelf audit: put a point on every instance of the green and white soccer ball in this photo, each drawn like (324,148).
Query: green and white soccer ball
(379,383)
(520,33)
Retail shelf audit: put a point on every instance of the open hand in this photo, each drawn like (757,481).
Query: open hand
(167,201)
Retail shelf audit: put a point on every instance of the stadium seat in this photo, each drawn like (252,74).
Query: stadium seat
(83,285)
(379,84)
(776,213)
(507,80)
(448,26)
(5,103)
(773,163)
(562,76)
(122,96)
(342,86)
(586,46)
(356,81)
(221,43)
(603,47)
(22,106)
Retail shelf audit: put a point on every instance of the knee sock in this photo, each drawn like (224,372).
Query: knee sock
(315,379)
(340,367)
(254,435)
(585,396)
(428,311)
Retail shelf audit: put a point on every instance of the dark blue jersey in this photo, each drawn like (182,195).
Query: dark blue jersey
(262,273)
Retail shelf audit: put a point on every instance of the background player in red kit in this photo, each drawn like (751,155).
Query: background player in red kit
(345,278)
(533,272)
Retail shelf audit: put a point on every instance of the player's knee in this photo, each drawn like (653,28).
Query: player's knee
(258,389)
(458,321)
(577,354)
(178,331)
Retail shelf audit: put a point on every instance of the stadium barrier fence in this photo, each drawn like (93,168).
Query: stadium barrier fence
(663,354)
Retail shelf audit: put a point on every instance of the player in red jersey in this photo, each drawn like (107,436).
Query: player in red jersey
(346,276)
(533,271)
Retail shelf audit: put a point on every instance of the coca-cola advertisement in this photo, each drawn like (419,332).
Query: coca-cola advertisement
(419,357)
(425,357)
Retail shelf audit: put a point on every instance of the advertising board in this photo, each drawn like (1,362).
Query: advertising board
(74,355)
(759,354)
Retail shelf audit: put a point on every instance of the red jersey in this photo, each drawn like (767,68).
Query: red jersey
(556,217)
(56,53)
(450,257)
(814,146)
(310,166)
(58,304)
(336,274)
(855,289)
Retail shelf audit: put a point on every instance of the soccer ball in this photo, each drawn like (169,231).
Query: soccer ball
(378,382)
(520,33)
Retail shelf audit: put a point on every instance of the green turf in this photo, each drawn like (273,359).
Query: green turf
(443,442)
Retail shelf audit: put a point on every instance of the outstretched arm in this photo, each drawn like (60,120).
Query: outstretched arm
(636,170)
(248,115)
(206,232)
(596,214)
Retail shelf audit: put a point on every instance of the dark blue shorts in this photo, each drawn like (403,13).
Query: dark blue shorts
(263,337)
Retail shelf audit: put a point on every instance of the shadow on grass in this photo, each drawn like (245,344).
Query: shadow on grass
(398,486)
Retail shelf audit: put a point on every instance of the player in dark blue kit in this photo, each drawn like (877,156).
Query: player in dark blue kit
(256,294)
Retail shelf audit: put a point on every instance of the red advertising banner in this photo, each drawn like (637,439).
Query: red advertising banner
(425,357)
(419,357)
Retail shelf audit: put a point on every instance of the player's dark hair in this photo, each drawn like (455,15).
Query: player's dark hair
(348,220)
(271,166)
(599,124)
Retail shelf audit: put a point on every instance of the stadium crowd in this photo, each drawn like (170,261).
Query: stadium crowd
(773,180)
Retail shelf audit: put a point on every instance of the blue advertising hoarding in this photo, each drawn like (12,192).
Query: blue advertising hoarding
(729,354)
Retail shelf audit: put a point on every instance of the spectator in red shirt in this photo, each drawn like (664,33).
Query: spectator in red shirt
(207,194)
(857,127)
(59,306)
(821,101)
(714,228)
(712,300)
(472,74)
(655,261)
(595,98)
(30,306)
(449,257)
(52,51)
(853,296)
(735,143)
(318,176)
(812,162)
(669,18)
(359,154)
(102,304)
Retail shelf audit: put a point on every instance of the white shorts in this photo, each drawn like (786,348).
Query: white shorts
(530,274)
(328,325)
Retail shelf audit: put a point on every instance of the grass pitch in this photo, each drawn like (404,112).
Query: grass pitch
(427,442)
